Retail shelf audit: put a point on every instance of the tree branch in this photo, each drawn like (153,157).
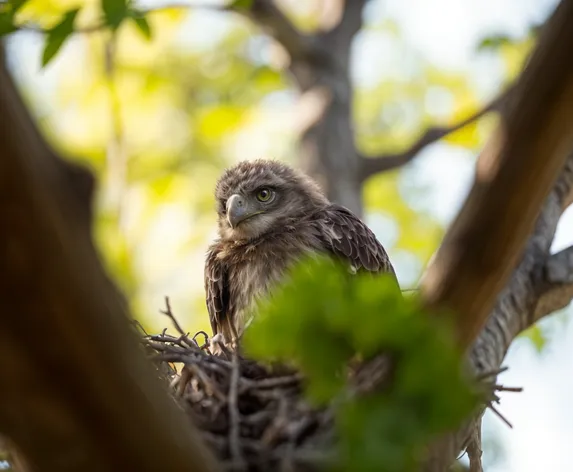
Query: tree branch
(77,393)
(349,24)
(513,313)
(270,18)
(514,176)
(556,285)
(386,162)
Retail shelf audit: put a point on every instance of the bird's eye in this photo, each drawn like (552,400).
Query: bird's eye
(264,195)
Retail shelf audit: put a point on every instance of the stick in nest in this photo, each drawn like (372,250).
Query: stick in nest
(234,417)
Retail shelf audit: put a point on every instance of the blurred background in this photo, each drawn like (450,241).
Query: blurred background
(159,119)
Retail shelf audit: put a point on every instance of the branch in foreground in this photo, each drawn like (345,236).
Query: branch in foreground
(514,176)
(76,392)
(386,162)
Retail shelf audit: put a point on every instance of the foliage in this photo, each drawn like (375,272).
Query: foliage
(322,318)
(57,35)
(188,106)
(536,336)
(8,11)
(493,42)
(114,13)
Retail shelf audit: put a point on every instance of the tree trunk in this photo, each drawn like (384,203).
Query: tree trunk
(320,65)
(77,393)
(328,152)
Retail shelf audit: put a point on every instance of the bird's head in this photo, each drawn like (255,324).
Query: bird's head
(257,197)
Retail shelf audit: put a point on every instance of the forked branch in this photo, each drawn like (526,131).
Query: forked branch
(515,174)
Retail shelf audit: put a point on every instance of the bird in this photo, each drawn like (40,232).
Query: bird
(270,215)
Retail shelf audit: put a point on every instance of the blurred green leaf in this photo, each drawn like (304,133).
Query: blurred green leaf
(7,23)
(141,22)
(17,4)
(143,26)
(241,4)
(326,317)
(115,11)
(8,11)
(58,35)
(216,121)
(537,337)
(493,42)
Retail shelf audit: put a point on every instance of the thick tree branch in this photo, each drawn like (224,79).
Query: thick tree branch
(513,313)
(269,17)
(370,166)
(77,393)
(556,284)
(514,175)
(349,24)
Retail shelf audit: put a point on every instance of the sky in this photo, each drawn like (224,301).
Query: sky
(445,33)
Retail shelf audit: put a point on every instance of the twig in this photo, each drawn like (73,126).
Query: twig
(234,417)
(387,162)
(499,415)
(501,388)
(184,335)
(205,345)
(167,312)
(275,429)
(492,388)
(495,399)
(475,452)
(273,382)
(210,387)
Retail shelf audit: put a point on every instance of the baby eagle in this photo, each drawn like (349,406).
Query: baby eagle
(269,216)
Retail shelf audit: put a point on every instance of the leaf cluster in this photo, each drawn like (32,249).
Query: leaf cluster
(322,318)
(114,13)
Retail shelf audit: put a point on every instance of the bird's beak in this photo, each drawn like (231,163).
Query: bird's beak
(238,209)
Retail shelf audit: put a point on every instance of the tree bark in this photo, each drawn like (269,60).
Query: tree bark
(320,65)
(516,309)
(515,173)
(77,392)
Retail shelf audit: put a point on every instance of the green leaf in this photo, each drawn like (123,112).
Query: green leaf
(142,24)
(17,4)
(241,5)
(114,11)
(321,319)
(537,337)
(58,35)
(493,42)
(7,23)
(8,11)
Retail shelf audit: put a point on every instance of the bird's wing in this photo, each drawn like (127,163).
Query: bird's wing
(345,235)
(216,289)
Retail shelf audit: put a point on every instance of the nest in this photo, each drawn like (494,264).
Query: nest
(253,416)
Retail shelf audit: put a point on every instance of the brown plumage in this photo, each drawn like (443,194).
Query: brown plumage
(269,216)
